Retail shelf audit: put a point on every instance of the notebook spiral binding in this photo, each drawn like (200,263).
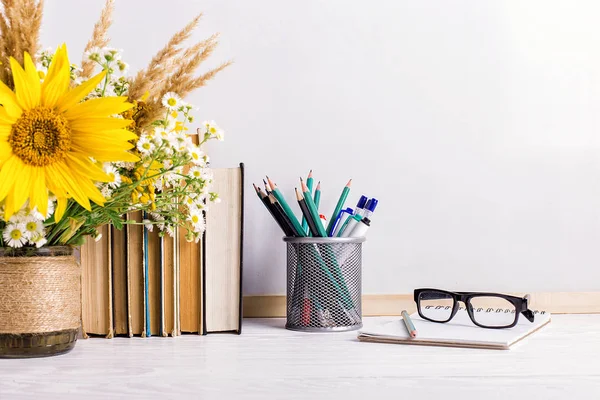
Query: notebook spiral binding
(487,310)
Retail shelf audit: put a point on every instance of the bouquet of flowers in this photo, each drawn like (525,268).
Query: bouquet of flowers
(83,145)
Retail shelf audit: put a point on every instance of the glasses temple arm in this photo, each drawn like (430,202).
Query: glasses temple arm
(527,313)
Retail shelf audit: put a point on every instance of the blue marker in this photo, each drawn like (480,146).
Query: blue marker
(359,210)
(370,207)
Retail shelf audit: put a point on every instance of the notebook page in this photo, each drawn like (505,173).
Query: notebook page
(459,330)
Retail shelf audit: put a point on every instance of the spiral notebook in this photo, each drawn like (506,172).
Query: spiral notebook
(459,332)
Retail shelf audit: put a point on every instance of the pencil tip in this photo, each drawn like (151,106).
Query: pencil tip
(319,185)
(349,183)
(255,187)
(310,174)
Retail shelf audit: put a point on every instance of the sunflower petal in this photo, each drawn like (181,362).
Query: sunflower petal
(10,110)
(94,125)
(8,176)
(91,191)
(5,151)
(22,186)
(104,154)
(61,207)
(27,83)
(115,135)
(60,174)
(86,167)
(102,142)
(98,107)
(9,207)
(39,193)
(58,79)
(74,96)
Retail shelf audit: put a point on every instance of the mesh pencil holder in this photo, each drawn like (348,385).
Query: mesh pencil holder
(324,284)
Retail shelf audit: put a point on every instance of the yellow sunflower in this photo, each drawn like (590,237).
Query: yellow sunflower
(48,134)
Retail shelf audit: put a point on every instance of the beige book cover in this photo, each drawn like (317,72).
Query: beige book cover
(119,280)
(223,252)
(168,287)
(96,290)
(135,275)
(190,287)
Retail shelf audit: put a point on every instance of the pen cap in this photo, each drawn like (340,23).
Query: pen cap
(370,207)
(372,204)
(362,201)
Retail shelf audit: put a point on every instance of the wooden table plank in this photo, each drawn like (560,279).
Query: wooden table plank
(266,361)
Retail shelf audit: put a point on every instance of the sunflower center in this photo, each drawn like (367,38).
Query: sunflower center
(40,137)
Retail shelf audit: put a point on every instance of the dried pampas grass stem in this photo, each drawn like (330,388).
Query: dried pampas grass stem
(158,69)
(99,37)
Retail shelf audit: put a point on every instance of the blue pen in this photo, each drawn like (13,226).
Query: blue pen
(370,207)
(359,210)
(341,219)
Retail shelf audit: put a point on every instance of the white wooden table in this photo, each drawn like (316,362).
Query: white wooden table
(562,361)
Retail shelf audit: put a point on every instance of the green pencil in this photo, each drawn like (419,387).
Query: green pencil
(318,195)
(309,183)
(338,207)
(286,208)
(313,209)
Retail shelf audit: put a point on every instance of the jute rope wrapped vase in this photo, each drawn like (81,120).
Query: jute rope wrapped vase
(40,301)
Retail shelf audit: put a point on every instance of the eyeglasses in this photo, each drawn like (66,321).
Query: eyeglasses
(487,310)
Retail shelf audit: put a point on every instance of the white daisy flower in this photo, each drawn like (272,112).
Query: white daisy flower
(171,100)
(197,156)
(112,172)
(106,192)
(34,229)
(160,133)
(94,54)
(15,235)
(144,145)
(195,172)
(197,220)
(148,225)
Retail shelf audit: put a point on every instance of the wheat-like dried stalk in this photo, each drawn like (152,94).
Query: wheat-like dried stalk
(20,22)
(99,37)
(159,67)
(30,16)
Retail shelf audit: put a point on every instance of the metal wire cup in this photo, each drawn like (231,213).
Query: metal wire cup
(324,284)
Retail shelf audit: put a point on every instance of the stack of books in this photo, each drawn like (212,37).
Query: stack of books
(135,283)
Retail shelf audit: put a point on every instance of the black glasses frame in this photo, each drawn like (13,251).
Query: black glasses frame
(521,305)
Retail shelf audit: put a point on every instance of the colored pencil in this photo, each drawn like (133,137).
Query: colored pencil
(307,214)
(318,195)
(338,207)
(267,188)
(410,327)
(286,208)
(314,214)
(283,215)
(263,197)
(309,183)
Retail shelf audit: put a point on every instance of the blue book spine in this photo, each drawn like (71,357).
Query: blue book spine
(146,297)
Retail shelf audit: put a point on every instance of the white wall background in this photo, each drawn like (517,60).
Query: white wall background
(476,123)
